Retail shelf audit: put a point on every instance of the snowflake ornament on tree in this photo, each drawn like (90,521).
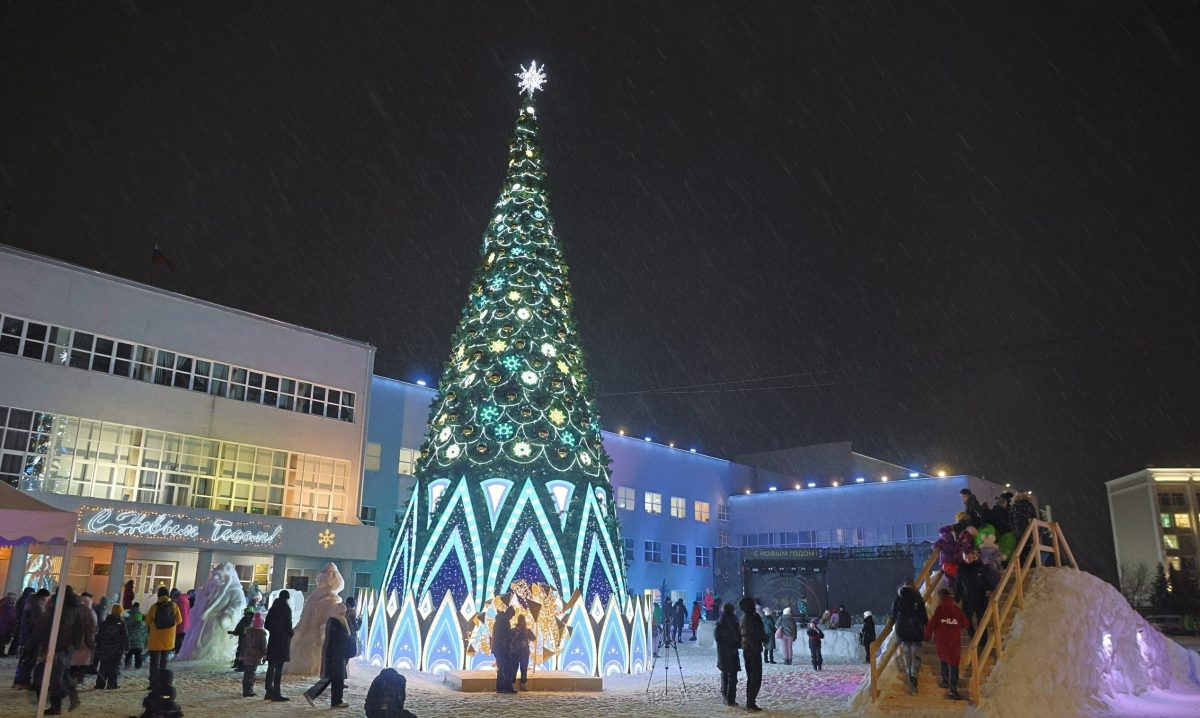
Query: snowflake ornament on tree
(531,78)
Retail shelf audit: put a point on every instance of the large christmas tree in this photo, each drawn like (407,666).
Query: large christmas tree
(512,480)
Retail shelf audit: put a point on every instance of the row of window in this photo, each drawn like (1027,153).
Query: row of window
(857,536)
(652,553)
(60,454)
(653,502)
(84,350)
(405,467)
(1176,521)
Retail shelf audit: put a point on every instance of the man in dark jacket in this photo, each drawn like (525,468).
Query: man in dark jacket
(845,620)
(866,634)
(279,645)
(1020,514)
(502,650)
(678,618)
(112,642)
(972,507)
(971,589)
(909,618)
(728,638)
(335,653)
(386,696)
(752,647)
(999,517)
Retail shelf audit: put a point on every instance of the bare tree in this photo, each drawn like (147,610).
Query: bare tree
(1135,584)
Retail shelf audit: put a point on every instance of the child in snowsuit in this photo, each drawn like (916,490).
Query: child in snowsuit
(160,703)
(252,651)
(945,628)
(137,633)
(111,645)
(239,630)
(815,636)
(768,620)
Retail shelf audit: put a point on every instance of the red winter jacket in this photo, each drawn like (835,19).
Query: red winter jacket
(946,627)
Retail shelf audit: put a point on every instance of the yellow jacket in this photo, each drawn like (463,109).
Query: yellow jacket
(162,639)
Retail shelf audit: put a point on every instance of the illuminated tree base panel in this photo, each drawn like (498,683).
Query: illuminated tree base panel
(407,633)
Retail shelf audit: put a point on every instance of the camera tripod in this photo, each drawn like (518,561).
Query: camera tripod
(667,645)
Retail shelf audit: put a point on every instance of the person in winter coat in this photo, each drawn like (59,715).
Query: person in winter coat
(1020,514)
(18,629)
(945,628)
(81,657)
(658,624)
(971,589)
(866,634)
(835,619)
(826,619)
(127,597)
(8,623)
(787,630)
(948,553)
(240,631)
(502,640)
(137,634)
(709,605)
(678,618)
(695,619)
(161,620)
(815,636)
(999,516)
(752,650)
(185,617)
(160,702)
(112,642)
(385,697)
(252,652)
(279,645)
(521,638)
(352,618)
(101,609)
(72,632)
(768,620)
(845,620)
(728,638)
(31,618)
(908,619)
(972,507)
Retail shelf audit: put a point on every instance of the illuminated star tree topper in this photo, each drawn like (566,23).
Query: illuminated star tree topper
(531,78)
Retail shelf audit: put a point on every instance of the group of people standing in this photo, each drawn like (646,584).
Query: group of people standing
(95,638)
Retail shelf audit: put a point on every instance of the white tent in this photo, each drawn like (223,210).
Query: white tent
(23,521)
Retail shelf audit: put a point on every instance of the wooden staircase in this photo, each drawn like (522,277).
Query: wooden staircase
(889,688)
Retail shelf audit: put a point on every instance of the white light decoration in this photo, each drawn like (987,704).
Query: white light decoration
(585,458)
(523,314)
(522,449)
(549,350)
(444,434)
(531,80)
(812,484)
(529,377)
(913,475)
(859,480)
(452,451)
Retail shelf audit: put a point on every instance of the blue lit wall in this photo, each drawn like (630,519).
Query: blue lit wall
(396,419)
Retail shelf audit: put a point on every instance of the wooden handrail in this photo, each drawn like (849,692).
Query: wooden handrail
(1006,597)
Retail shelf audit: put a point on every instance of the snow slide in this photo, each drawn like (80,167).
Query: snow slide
(1077,648)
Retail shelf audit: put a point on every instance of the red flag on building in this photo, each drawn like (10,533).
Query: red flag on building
(160,258)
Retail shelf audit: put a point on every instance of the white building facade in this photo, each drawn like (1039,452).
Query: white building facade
(183,433)
(1154,519)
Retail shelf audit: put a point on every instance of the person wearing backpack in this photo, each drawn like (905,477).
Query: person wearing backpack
(162,619)
(340,645)
(909,618)
(136,629)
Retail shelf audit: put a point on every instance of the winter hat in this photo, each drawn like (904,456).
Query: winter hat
(257,621)
(766,611)
(787,611)
(117,610)
(249,611)
(866,614)
(962,516)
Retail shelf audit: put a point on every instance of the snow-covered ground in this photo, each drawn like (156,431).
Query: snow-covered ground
(207,692)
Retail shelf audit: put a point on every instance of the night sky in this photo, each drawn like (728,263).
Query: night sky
(961,235)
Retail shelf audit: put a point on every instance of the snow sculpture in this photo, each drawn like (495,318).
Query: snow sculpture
(310,631)
(219,605)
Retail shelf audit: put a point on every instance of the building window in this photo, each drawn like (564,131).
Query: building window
(104,460)
(1183,521)
(701,511)
(362,579)
(1165,520)
(372,460)
(630,548)
(1171,542)
(703,556)
(367,515)
(254,574)
(408,462)
(626,498)
(722,538)
(722,511)
(653,551)
(789,538)
(653,503)
(128,359)
(679,554)
(678,507)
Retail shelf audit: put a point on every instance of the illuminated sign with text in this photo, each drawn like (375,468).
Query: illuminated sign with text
(124,523)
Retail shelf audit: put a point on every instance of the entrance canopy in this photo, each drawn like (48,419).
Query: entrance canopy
(24,520)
